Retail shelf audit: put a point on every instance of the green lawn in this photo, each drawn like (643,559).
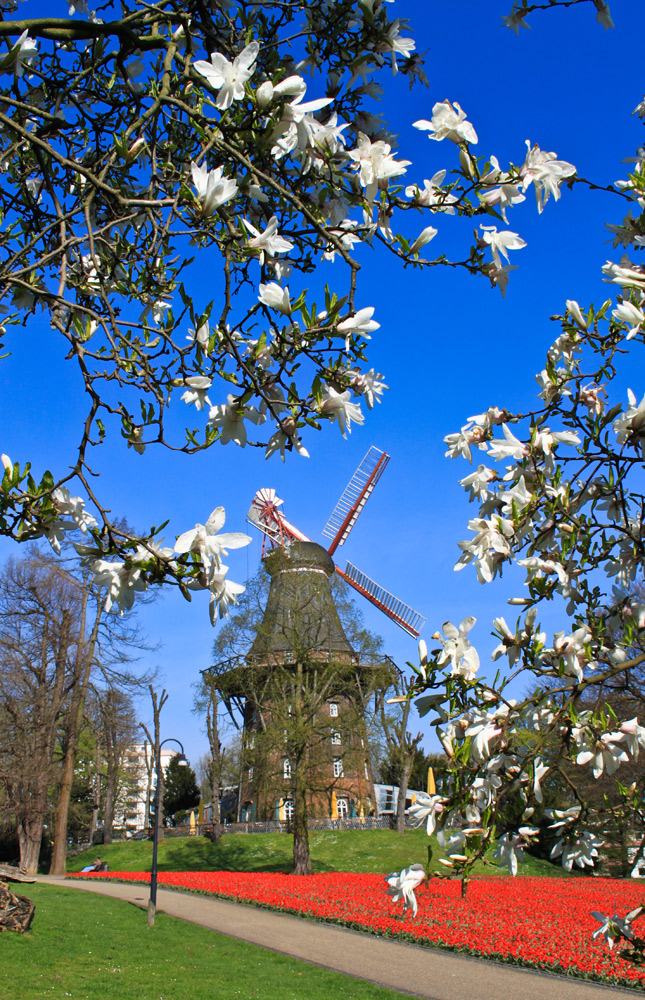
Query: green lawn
(331,850)
(92,948)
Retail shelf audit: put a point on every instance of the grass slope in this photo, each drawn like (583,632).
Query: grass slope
(93,948)
(331,850)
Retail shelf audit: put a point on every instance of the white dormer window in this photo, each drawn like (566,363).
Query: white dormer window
(338,768)
(333,709)
(335,739)
(286,771)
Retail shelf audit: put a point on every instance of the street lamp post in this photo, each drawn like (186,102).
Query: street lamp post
(152,903)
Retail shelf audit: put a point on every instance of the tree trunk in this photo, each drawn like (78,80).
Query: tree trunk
(108,808)
(30,835)
(82,669)
(301,856)
(403,791)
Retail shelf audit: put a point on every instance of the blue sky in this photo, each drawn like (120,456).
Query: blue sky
(449,346)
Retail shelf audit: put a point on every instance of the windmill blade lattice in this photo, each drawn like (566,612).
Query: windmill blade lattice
(264,514)
(404,616)
(356,494)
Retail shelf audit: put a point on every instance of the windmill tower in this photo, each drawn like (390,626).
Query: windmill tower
(301,623)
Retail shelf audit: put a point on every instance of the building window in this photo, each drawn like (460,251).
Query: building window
(250,774)
(335,739)
(333,709)
(250,741)
(367,773)
(338,767)
(289,710)
(286,770)
(289,810)
(342,808)
(289,657)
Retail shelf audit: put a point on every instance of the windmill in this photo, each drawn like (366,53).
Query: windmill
(265,514)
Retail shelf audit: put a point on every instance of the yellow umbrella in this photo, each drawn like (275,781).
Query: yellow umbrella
(192,823)
(432,788)
(334,806)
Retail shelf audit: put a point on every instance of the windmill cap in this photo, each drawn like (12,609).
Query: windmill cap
(299,556)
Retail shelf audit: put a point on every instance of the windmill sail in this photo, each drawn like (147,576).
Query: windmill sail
(404,616)
(264,514)
(356,494)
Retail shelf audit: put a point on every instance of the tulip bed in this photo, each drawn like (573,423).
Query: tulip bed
(544,923)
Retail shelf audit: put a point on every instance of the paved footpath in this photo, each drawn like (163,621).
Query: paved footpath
(422,972)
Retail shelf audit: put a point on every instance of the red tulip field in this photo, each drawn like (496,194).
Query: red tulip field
(540,922)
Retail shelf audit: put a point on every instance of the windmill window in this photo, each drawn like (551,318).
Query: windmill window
(342,809)
(336,740)
(333,709)
(250,742)
(250,773)
(289,810)
(367,773)
(286,770)
(338,768)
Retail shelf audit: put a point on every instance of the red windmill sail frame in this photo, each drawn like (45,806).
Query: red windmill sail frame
(355,495)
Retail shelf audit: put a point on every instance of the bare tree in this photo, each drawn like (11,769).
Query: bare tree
(115,727)
(38,617)
(401,744)
(158,702)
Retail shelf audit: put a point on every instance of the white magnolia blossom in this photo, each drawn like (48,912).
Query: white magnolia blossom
(74,508)
(546,172)
(613,928)
(633,735)
(368,384)
(477,482)
(24,52)
(213,189)
(448,123)
(457,649)
(206,543)
(605,754)
(375,164)
(268,242)
(432,195)
(581,851)
(340,408)
(275,297)
(223,593)
(501,243)
(510,847)
(230,417)
(629,313)
(226,77)
(124,579)
(361,323)
(572,650)
(629,427)
(401,885)
(425,807)
(197,387)
(200,337)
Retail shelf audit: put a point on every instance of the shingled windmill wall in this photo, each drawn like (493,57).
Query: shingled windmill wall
(301,620)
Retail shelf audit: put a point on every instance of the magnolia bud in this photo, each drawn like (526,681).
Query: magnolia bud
(466,163)
(423,653)
(519,600)
(264,94)
(7,464)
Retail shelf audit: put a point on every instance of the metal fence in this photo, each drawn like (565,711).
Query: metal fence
(273,826)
